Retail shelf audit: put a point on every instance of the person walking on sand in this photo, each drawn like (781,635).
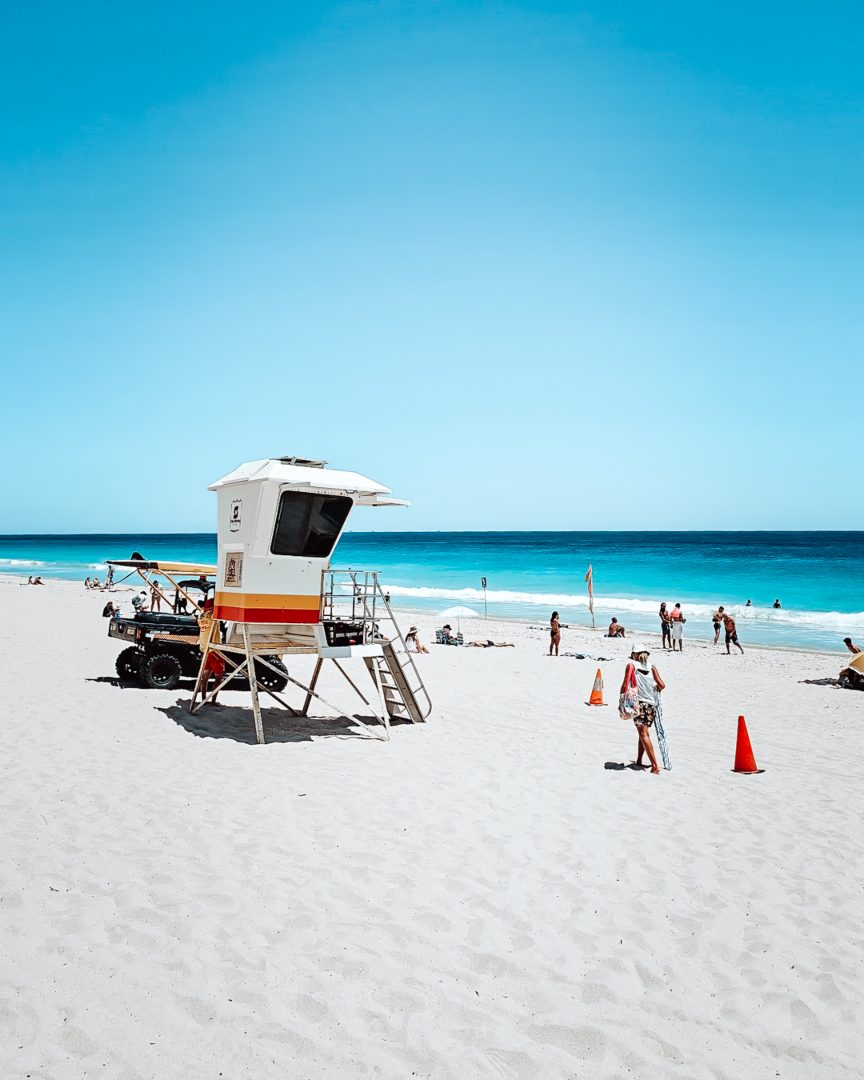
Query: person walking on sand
(717,619)
(665,627)
(648,686)
(677,620)
(554,633)
(731,634)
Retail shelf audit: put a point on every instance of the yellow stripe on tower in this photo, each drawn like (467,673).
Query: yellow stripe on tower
(263,600)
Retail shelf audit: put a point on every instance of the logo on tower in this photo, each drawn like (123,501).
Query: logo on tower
(234,570)
(234,520)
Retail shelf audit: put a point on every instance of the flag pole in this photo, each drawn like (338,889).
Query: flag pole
(589,577)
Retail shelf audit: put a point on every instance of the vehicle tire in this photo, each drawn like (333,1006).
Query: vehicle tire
(128,664)
(269,679)
(190,662)
(160,671)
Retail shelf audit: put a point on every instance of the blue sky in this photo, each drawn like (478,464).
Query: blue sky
(533,265)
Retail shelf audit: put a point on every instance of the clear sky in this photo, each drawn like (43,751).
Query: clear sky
(533,265)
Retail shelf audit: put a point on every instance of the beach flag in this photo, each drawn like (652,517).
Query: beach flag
(589,577)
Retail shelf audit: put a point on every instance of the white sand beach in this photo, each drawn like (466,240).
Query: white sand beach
(488,895)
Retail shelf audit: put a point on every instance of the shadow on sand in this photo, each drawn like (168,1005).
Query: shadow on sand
(620,766)
(236,723)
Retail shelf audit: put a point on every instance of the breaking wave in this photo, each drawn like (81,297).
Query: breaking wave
(829,620)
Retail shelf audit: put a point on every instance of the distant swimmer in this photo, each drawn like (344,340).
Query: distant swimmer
(749,603)
(851,646)
(717,619)
(731,634)
(777,605)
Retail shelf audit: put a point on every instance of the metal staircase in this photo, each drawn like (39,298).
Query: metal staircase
(405,695)
(357,596)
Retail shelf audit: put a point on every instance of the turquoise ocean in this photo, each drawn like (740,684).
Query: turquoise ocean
(817,576)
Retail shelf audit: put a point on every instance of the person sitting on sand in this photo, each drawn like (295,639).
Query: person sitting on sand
(86,582)
(731,634)
(37,581)
(110,610)
(413,641)
(648,685)
(847,641)
(554,633)
(450,636)
(717,619)
(615,629)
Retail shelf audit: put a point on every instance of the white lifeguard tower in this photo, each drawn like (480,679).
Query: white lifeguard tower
(279,520)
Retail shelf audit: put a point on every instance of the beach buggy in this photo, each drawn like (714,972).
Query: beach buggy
(163,648)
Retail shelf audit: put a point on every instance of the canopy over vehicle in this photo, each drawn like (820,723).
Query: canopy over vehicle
(165,567)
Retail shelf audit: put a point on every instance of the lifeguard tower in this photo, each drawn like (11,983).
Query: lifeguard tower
(279,520)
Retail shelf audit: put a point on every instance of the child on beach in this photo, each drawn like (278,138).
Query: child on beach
(554,633)
(648,685)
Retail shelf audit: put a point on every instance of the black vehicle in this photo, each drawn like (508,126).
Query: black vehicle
(163,649)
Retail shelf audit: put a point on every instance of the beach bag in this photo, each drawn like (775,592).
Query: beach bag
(628,702)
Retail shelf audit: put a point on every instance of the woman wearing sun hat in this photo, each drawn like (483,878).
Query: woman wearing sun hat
(411,638)
(648,685)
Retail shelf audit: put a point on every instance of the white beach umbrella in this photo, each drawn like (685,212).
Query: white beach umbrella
(459,613)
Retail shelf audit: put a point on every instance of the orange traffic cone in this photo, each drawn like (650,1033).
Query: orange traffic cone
(597,692)
(745,762)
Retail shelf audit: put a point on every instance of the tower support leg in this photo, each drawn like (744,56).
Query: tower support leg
(319,663)
(253,685)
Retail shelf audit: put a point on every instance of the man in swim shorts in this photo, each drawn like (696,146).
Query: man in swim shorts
(731,634)
(716,619)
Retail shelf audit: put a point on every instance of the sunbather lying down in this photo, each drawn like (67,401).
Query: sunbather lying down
(491,644)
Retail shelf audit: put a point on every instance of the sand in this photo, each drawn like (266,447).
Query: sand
(487,895)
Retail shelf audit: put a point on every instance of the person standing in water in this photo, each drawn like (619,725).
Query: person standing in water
(554,633)
(665,627)
(676,618)
(777,605)
(717,619)
(648,685)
